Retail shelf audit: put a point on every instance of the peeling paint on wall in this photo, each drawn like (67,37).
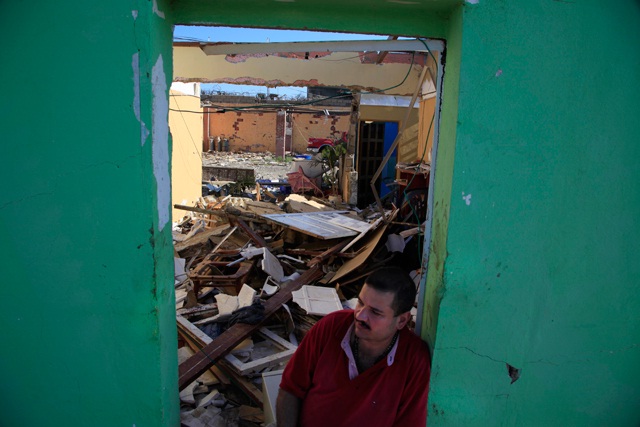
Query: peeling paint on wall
(514,373)
(467,198)
(238,58)
(160,141)
(135,64)
(473,1)
(256,81)
(156,11)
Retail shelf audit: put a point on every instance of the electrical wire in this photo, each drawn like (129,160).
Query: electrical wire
(413,57)
(346,94)
(405,191)
(424,152)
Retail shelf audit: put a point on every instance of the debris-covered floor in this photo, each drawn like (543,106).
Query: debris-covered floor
(252,276)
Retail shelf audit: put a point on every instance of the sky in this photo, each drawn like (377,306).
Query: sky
(228,34)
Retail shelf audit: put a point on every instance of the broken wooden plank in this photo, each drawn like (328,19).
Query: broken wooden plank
(246,386)
(373,226)
(200,239)
(255,237)
(356,262)
(223,344)
(196,346)
(219,213)
(193,331)
(207,378)
(326,254)
(271,360)
(200,275)
(201,310)
(224,239)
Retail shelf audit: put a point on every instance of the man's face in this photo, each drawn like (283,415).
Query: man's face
(374,317)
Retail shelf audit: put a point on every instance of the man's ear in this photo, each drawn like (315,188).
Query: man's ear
(403,319)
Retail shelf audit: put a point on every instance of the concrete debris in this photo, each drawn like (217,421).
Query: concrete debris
(241,254)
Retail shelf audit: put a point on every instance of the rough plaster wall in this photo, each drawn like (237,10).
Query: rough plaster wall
(256,131)
(307,126)
(88,311)
(538,324)
(426,130)
(246,130)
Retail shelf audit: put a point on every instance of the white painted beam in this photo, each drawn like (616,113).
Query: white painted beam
(332,46)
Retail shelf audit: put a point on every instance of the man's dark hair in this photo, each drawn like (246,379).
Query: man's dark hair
(396,281)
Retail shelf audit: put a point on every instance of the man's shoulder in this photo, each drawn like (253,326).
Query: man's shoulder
(338,318)
(415,344)
(340,315)
(338,321)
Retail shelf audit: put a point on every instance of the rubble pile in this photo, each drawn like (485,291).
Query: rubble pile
(265,164)
(252,277)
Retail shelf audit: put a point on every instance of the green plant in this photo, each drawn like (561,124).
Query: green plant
(239,187)
(330,157)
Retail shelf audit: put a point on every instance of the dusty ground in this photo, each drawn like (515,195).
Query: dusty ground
(265,165)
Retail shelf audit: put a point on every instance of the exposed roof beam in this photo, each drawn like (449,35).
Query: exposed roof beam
(334,46)
(383,54)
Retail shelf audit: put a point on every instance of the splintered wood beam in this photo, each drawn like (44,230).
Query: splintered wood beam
(194,366)
(246,386)
(326,254)
(220,213)
(384,53)
(257,239)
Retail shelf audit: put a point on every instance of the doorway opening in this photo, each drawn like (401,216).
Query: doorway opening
(384,127)
(374,141)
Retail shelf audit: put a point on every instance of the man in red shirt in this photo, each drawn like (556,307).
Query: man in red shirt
(362,366)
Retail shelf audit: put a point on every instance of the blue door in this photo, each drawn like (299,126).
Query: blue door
(389,172)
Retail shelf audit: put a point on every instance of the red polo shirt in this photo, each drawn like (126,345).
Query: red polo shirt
(384,395)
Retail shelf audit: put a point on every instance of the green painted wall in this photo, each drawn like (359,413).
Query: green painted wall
(538,268)
(87,312)
(543,270)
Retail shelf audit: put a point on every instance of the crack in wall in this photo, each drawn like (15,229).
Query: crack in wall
(472,351)
(24,199)
(512,371)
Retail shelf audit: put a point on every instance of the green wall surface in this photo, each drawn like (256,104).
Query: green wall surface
(543,238)
(87,311)
(534,239)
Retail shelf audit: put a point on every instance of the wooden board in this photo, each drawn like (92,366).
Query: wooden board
(258,365)
(356,262)
(222,345)
(317,300)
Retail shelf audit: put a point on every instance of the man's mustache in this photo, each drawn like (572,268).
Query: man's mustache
(363,324)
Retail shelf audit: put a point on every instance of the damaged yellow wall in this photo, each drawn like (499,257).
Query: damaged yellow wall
(408,144)
(246,130)
(255,131)
(425,130)
(343,69)
(186,157)
(307,126)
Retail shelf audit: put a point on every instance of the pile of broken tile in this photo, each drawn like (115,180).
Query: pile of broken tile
(251,279)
